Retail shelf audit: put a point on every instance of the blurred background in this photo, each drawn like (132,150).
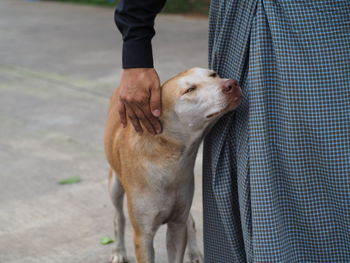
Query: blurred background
(59,63)
(172,6)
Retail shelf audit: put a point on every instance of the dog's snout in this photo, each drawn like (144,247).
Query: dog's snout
(231,86)
(227,87)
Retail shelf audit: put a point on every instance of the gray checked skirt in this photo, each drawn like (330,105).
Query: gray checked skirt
(277,171)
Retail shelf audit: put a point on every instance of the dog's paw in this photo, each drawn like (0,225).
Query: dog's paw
(118,257)
(194,257)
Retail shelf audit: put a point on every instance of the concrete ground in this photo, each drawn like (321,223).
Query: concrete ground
(58,65)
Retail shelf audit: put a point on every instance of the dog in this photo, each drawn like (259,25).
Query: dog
(156,172)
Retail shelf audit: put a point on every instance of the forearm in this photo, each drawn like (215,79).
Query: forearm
(135,21)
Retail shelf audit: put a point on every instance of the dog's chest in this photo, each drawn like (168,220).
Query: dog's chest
(170,176)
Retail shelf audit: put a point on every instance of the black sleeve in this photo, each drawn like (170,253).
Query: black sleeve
(135,21)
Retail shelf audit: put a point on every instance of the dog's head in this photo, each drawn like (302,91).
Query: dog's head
(197,98)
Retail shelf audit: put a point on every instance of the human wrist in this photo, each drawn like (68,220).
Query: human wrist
(137,55)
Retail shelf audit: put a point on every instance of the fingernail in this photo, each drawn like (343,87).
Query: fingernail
(156,113)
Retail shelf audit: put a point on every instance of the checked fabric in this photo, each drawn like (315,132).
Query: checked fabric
(276,172)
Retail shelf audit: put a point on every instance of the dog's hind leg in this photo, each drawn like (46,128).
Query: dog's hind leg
(193,254)
(176,242)
(116,192)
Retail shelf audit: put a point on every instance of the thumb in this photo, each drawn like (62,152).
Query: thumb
(155,101)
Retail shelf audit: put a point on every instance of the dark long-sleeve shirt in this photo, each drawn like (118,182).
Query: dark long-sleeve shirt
(135,21)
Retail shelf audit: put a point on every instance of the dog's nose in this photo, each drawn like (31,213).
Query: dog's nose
(230,86)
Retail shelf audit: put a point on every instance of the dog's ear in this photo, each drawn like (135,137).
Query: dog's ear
(169,93)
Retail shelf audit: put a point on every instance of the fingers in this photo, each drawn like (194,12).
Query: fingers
(150,121)
(137,115)
(141,114)
(140,100)
(122,113)
(134,119)
(155,101)
(144,120)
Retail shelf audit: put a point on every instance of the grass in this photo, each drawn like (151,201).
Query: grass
(171,6)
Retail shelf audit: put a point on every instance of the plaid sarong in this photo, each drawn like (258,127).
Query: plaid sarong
(276,173)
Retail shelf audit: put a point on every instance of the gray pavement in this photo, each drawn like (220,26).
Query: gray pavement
(58,65)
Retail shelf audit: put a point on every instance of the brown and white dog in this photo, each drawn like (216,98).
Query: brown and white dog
(156,172)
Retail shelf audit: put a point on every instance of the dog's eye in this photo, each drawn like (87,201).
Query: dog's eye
(213,75)
(190,89)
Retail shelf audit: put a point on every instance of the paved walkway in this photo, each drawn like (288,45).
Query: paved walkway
(58,65)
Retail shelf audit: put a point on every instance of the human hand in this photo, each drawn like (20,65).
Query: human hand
(140,99)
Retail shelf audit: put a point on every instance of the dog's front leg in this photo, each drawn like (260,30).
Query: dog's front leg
(143,221)
(143,241)
(193,254)
(176,242)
